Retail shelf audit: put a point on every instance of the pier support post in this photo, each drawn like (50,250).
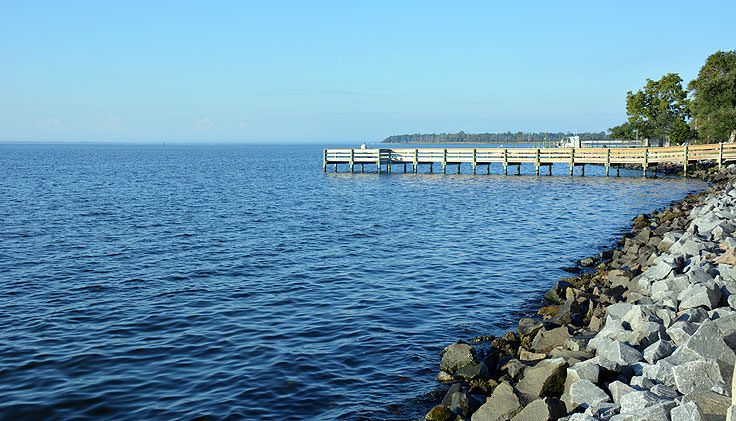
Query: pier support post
(572,160)
(536,162)
(416,160)
(361,167)
(324,160)
(473,163)
(378,161)
(582,170)
(404,167)
(431,167)
(684,162)
(505,162)
(550,169)
(335,167)
(645,164)
(352,159)
(518,169)
(489,168)
(444,161)
(720,155)
(618,167)
(458,168)
(608,160)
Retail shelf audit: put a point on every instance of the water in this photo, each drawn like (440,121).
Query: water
(151,282)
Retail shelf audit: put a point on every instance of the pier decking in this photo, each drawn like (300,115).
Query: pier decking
(608,157)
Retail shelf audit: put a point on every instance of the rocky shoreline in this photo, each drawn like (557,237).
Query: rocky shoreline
(648,334)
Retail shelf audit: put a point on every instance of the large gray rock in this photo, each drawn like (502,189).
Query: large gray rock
(664,391)
(581,417)
(548,339)
(657,351)
(686,412)
(619,389)
(584,370)
(700,295)
(585,393)
(500,406)
(457,355)
(681,331)
(696,376)
(639,315)
(546,378)
(619,353)
(638,400)
(544,409)
(706,344)
(473,371)
(661,372)
(456,401)
(711,406)
(658,412)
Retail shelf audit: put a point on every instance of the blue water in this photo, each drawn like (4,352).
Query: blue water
(160,282)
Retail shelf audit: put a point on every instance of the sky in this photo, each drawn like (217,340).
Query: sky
(336,72)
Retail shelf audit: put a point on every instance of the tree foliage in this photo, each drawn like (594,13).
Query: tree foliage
(714,97)
(508,137)
(659,110)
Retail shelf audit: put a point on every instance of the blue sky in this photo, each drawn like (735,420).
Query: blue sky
(337,71)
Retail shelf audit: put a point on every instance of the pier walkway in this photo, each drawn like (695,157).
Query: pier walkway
(608,157)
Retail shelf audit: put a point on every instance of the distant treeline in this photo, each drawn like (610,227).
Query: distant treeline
(508,137)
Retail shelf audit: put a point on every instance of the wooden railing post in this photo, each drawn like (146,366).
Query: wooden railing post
(536,161)
(444,161)
(684,162)
(572,160)
(473,162)
(608,160)
(378,161)
(645,164)
(505,161)
(352,159)
(416,159)
(324,160)
(720,155)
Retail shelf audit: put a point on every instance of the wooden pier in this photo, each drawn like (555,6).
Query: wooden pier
(539,157)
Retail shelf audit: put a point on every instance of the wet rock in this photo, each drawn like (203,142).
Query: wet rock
(473,371)
(456,356)
(503,404)
(544,409)
(696,376)
(456,401)
(440,413)
(525,355)
(546,378)
(444,376)
(548,339)
(588,262)
(528,327)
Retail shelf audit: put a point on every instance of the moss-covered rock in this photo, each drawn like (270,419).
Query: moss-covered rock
(439,413)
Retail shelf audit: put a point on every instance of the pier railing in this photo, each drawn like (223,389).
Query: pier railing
(616,157)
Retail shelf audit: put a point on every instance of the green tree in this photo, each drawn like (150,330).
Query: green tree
(714,98)
(659,110)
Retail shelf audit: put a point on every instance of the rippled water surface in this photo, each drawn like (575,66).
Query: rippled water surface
(152,282)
